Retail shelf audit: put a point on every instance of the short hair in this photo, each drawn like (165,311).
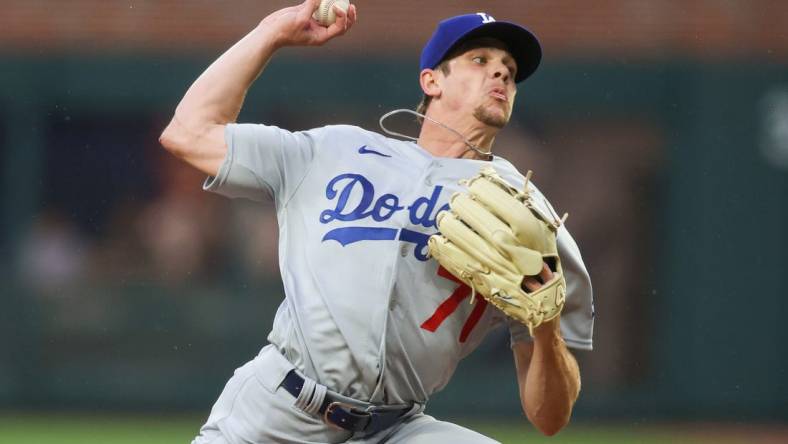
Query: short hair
(444,67)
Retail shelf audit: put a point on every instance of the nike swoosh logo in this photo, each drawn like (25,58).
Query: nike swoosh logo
(365,150)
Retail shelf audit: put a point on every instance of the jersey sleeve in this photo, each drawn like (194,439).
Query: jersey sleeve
(264,161)
(577,317)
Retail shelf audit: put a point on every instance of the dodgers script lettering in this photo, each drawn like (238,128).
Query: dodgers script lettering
(422,212)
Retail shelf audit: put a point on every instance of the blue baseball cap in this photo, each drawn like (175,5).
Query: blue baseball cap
(453,31)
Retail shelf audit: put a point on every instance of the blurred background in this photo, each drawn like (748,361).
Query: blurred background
(130,295)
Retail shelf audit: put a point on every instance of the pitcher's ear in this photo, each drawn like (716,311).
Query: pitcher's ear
(428,79)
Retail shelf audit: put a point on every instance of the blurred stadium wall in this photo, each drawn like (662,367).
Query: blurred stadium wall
(660,126)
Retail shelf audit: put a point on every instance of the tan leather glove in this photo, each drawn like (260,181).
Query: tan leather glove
(494,236)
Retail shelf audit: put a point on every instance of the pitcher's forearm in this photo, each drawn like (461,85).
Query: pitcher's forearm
(196,132)
(552,385)
(216,97)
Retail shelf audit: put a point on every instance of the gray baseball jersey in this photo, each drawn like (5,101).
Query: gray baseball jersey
(366,312)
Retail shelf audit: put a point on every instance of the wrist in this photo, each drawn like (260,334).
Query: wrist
(548,334)
(270,35)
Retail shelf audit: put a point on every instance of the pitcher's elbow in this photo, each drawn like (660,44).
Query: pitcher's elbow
(171,141)
(548,425)
(551,428)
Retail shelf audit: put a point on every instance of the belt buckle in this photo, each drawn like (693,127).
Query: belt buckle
(330,409)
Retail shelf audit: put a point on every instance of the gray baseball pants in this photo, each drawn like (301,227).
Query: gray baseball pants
(253,409)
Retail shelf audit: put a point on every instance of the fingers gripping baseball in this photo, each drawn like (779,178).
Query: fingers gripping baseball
(295,25)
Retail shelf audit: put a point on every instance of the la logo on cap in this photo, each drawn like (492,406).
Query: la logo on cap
(486,18)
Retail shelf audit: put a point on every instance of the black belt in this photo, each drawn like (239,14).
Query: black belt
(343,415)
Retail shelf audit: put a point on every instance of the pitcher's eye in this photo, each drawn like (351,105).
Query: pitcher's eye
(480,60)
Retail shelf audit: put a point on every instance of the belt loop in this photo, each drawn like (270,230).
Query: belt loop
(306,393)
(311,396)
(313,407)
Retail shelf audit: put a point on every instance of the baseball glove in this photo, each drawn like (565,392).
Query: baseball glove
(492,238)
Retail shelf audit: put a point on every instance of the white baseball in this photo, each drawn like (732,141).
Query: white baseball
(324,14)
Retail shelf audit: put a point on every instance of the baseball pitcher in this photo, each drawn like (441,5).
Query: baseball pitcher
(397,256)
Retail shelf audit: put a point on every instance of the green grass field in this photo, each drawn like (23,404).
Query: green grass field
(106,429)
